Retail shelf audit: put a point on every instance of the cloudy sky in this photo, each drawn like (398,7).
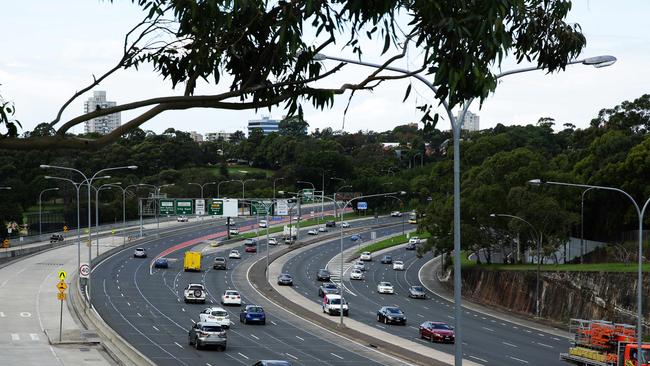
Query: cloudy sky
(53,48)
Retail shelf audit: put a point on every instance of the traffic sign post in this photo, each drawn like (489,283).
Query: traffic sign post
(62,275)
(84,270)
(166,207)
(61,286)
(183,207)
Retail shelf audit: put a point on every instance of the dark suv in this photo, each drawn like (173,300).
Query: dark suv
(55,238)
(323,275)
(220,263)
(330,224)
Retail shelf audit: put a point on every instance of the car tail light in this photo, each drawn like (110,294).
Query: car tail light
(237,297)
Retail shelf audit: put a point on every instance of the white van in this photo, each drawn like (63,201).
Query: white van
(332,305)
(263,223)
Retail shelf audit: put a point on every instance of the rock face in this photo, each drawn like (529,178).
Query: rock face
(563,295)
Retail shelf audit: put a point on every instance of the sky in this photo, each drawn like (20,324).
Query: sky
(51,49)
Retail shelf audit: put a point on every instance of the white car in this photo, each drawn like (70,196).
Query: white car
(230,297)
(194,292)
(140,253)
(273,241)
(385,288)
(360,266)
(313,232)
(322,229)
(217,315)
(414,240)
(263,223)
(182,219)
(234,231)
(366,256)
(396,214)
(398,265)
(234,254)
(356,274)
(345,225)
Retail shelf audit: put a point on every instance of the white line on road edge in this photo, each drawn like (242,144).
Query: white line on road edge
(243,355)
(545,345)
(290,355)
(154,327)
(178,344)
(254,336)
(302,339)
(510,344)
(477,358)
(335,355)
(488,329)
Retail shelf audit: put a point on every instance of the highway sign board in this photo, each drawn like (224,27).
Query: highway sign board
(199,206)
(362,205)
(62,275)
(282,207)
(61,286)
(260,208)
(183,207)
(84,270)
(60,296)
(308,194)
(221,207)
(166,207)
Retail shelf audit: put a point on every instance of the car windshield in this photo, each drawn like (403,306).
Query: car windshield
(399,262)
(417,288)
(196,287)
(232,293)
(330,285)
(387,257)
(394,310)
(285,277)
(211,328)
(441,326)
(139,249)
(366,253)
(323,271)
(337,302)
(385,284)
(219,313)
(234,251)
(219,259)
(255,309)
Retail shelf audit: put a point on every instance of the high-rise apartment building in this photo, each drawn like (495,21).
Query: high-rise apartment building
(197,137)
(471,122)
(220,135)
(103,124)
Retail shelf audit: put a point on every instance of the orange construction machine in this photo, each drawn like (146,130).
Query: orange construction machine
(603,343)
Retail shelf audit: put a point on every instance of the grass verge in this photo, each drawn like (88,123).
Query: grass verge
(390,242)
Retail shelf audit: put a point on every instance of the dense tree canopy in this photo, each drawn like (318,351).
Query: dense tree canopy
(268,51)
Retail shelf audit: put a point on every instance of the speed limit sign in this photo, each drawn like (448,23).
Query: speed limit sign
(84,270)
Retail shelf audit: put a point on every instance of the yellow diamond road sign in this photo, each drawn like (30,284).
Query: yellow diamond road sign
(62,275)
(61,286)
(60,296)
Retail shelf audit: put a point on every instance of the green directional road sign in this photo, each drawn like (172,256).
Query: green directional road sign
(259,207)
(183,207)
(308,195)
(166,207)
(216,207)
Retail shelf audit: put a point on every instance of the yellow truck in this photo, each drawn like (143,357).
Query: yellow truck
(192,261)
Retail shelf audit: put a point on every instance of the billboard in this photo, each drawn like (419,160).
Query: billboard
(282,207)
(183,207)
(199,207)
(362,205)
(223,207)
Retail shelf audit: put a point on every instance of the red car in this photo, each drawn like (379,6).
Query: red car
(437,332)
(250,248)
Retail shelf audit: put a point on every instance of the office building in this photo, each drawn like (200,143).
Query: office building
(471,122)
(197,137)
(266,124)
(220,135)
(104,124)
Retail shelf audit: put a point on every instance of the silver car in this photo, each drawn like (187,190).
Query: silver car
(207,334)
(417,292)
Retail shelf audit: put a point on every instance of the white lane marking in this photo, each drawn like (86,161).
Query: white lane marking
(540,334)
(510,344)
(274,323)
(154,327)
(302,339)
(379,326)
(140,315)
(25,314)
(480,359)
(426,307)
(518,359)
(128,303)
(243,355)
(254,336)
(15,337)
(335,355)
(290,355)
(420,315)
(488,329)
(555,339)
(545,345)
(178,344)
(2,315)
(193,321)
(33,336)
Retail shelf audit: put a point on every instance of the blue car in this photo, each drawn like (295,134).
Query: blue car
(161,263)
(252,314)
(355,237)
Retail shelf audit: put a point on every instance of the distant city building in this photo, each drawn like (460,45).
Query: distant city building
(197,137)
(471,122)
(103,124)
(266,124)
(216,136)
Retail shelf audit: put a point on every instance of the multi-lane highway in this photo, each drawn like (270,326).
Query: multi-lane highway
(488,340)
(145,306)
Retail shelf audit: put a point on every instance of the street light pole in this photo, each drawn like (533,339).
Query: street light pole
(103,186)
(598,61)
(640,212)
(582,224)
(275,180)
(538,235)
(40,210)
(313,190)
(219,185)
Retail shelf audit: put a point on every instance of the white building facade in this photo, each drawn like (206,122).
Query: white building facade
(104,124)
(220,135)
(471,122)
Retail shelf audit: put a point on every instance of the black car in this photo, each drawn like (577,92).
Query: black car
(328,288)
(387,259)
(323,275)
(285,279)
(272,363)
(410,246)
(391,315)
(330,224)
(56,238)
